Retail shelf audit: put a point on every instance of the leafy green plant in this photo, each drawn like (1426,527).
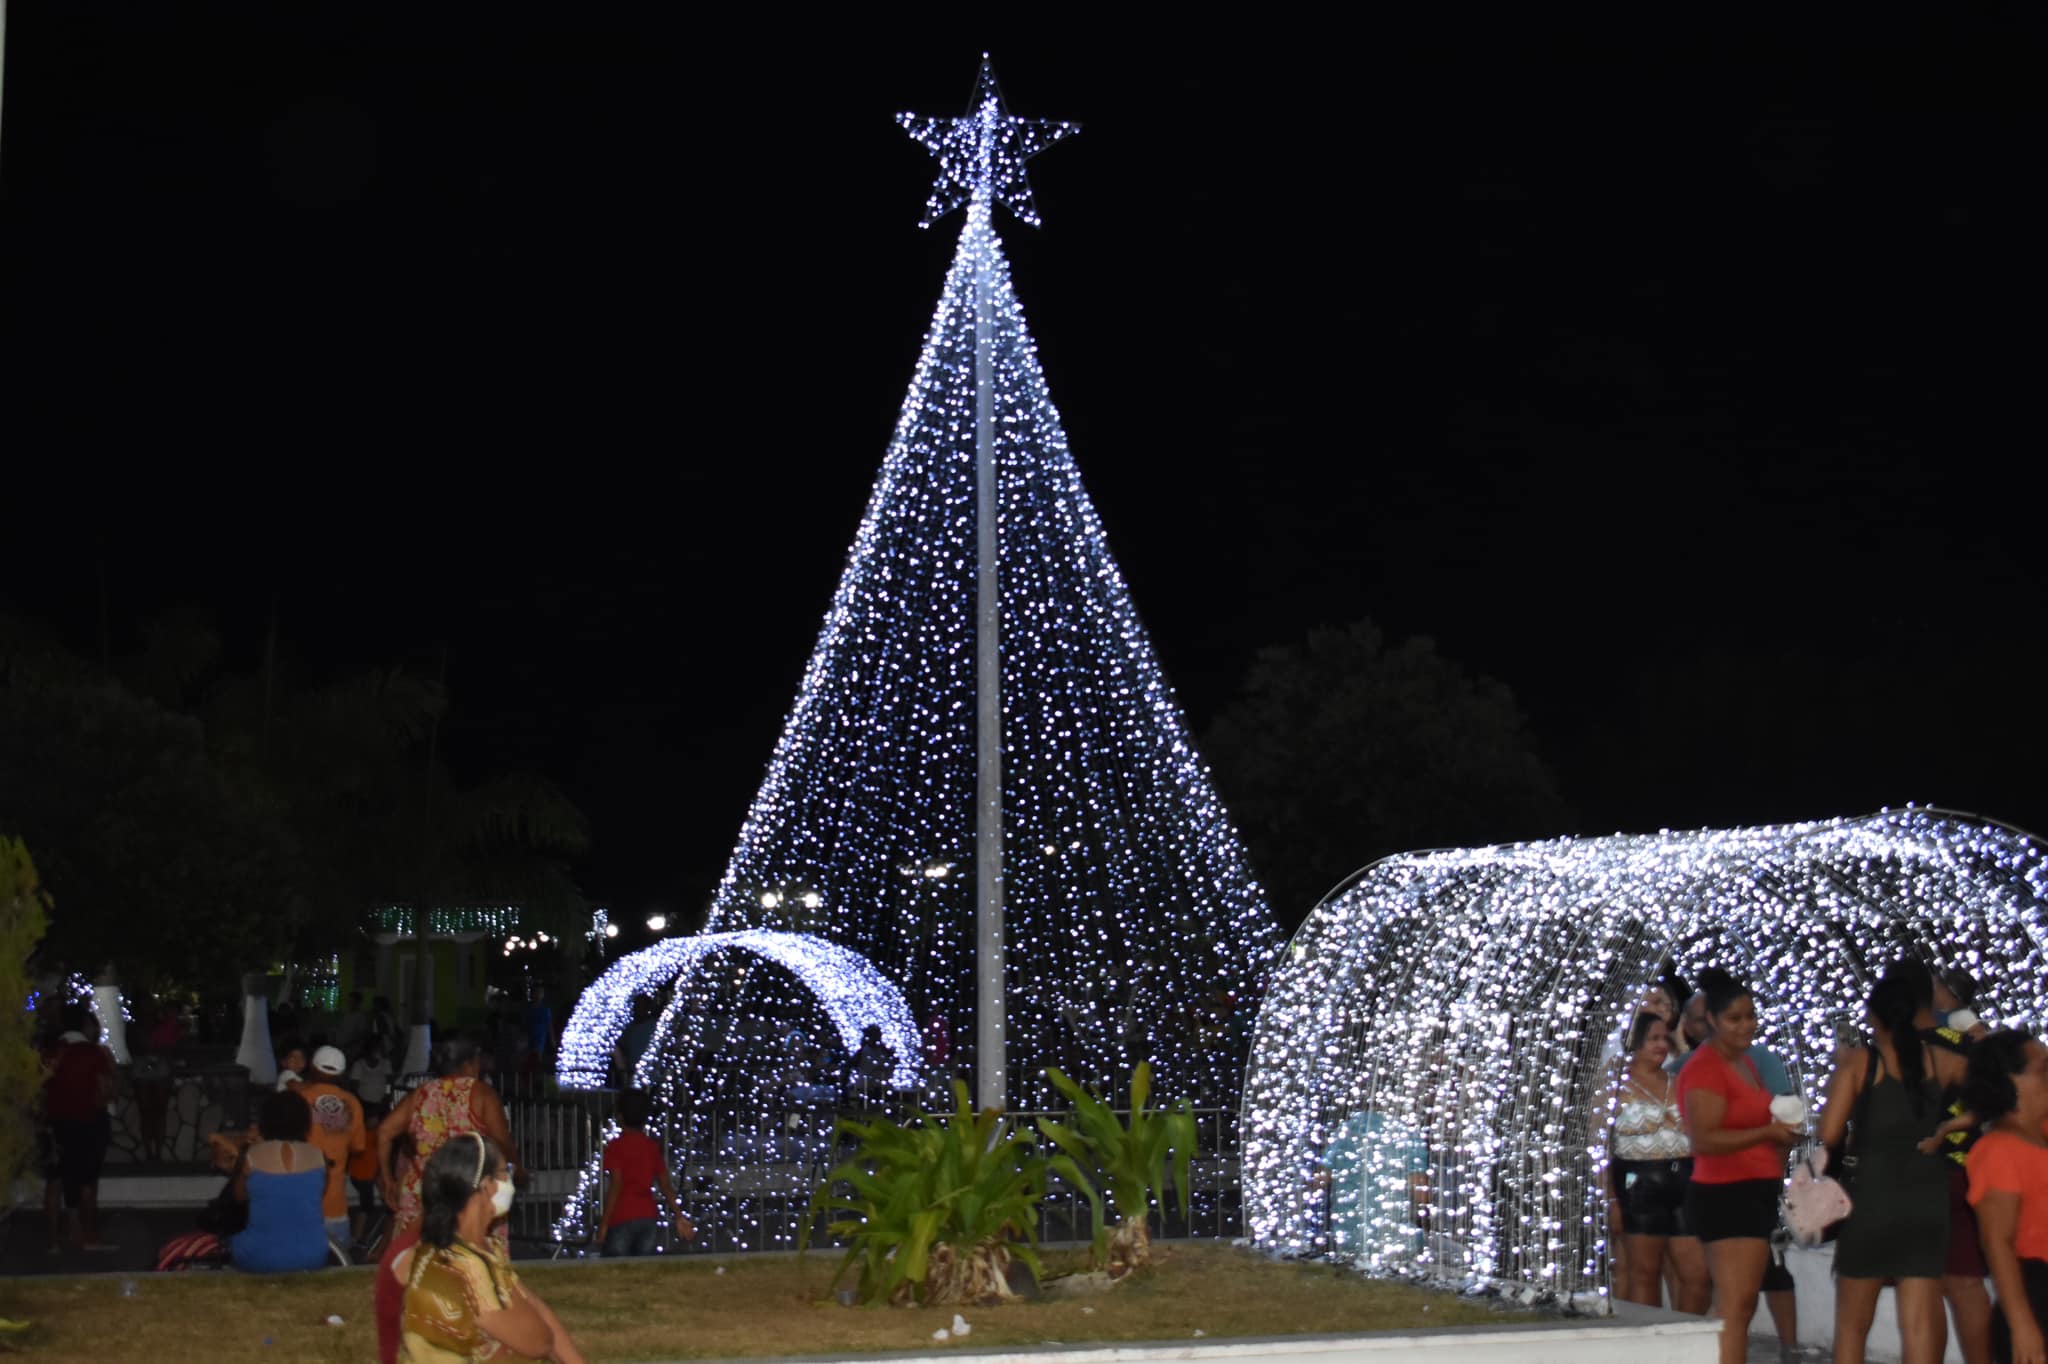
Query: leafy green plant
(1131,1158)
(23,915)
(941,1206)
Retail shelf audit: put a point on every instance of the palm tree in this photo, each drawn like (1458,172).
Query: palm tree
(506,842)
(381,821)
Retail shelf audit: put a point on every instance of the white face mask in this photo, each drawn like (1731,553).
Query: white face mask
(501,1197)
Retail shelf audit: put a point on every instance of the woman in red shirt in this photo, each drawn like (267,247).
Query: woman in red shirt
(1738,1158)
(2008,1092)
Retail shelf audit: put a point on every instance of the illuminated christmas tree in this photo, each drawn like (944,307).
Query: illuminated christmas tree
(1131,927)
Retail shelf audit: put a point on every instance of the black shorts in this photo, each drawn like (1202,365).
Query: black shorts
(1652,1194)
(1746,1208)
(46,1153)
(2034,1275)
(81,1151)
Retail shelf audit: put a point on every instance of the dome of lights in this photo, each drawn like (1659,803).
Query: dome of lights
(1426,1094)
(736,1018)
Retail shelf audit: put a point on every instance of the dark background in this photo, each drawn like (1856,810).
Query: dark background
(1683,378)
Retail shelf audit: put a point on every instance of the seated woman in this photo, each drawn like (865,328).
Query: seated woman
(462,1300)
(282,1178)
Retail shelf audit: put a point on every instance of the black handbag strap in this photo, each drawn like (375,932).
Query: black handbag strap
(1859,1108)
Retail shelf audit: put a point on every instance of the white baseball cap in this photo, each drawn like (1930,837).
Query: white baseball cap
(330,1061)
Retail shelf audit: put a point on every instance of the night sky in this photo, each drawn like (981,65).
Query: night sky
(1685,379)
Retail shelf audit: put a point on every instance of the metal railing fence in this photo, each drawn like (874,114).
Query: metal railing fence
(749,1187)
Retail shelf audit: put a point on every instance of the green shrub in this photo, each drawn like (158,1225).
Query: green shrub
(940,1207)
(1131,1158)
(23,916)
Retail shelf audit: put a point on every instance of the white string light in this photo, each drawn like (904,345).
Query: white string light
(453,921)
(1454,1007)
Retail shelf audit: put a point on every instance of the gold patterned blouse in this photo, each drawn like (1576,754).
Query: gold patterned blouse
(445,1293)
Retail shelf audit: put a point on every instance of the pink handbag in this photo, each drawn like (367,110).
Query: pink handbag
(1813,1201)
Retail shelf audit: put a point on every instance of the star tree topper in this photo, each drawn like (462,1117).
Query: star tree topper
(981,156)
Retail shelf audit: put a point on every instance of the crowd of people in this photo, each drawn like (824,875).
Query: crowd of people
(1934,1127)
(435,1175)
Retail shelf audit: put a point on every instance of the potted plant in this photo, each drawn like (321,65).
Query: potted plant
(940,1207)
(1132,1159)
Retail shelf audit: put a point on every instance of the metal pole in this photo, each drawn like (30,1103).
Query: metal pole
(990,1048)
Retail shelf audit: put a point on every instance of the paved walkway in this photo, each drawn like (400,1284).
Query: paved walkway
(134,1234)
(1764,1350)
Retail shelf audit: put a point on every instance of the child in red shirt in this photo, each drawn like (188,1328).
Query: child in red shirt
(80,1081)
(634,1164)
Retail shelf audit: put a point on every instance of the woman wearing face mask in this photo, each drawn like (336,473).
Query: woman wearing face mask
(462,1301)
(457,1102)
(1738,1158)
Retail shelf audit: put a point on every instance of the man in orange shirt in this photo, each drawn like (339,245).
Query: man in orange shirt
(339,1133)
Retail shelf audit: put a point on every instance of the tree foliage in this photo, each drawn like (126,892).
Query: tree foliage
(1346,748)
(196,823)
(158,861)
(23,910)
(381,820)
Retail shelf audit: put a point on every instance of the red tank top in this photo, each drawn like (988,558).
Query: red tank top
(1748,1105)
(72,1093)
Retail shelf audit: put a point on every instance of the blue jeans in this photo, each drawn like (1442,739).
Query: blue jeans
(638,1237)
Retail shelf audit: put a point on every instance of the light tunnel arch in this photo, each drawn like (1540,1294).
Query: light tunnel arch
(1425,1093)
(852,992)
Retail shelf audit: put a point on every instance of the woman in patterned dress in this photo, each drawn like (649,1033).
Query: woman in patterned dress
(456,1102)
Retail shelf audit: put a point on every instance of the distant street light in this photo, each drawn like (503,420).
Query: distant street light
(611,930)
(790,896)
(657,922)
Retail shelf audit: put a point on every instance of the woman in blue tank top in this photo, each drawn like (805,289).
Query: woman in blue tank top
(282,1180)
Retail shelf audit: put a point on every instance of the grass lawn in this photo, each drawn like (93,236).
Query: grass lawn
(709,1307)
